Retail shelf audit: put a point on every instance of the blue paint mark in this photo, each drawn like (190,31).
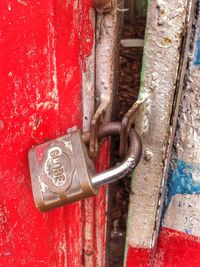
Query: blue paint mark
(197,52)
(188,225)
(188,231)
(180,179)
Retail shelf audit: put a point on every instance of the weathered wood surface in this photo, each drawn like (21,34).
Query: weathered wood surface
(166,24)
(179,241)
(46,66)
(106,51)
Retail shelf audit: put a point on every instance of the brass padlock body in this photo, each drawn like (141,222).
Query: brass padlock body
(61,172)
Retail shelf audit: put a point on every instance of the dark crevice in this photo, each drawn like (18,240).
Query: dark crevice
(129,81)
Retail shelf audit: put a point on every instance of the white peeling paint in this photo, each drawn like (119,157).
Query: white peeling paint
(22,2)
(88,83)
(54,92)
(165,26)
(46,105)
(183,214)
(188,133)
(106,52)
(184,210)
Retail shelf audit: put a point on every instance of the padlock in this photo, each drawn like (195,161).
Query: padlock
(62,172)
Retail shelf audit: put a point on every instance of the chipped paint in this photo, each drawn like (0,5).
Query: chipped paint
(40,79)
(177,249)
(54,93)
(98,84)
(181,223)
(22,2)
(88,96)
(47,105)
(188,132)
(107,43)
(183,214)
(88,79)
(184,177)
(165,27)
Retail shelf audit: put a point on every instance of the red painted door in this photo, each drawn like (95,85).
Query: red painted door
(43,46)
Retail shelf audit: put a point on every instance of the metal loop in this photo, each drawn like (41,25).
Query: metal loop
(128,164)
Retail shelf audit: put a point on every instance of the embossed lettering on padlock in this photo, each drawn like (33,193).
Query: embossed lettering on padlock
(60,172)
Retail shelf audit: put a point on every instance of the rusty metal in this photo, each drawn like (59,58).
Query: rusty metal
(127,123)
(109,129)
(62,172)
(102,5)
(129,163)
(97,122)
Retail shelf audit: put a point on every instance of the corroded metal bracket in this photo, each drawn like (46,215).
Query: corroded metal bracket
(127,123)
(103,5)
(98,120)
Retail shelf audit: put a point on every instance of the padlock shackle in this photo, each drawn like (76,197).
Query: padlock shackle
(127,165)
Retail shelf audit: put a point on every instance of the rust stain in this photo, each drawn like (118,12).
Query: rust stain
(166,41)
(103,5)
(1,125)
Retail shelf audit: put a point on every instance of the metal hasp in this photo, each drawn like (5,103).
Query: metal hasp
(130,161)
(127,165)
(62,172)
(98,120)
(102,5)
(127,123)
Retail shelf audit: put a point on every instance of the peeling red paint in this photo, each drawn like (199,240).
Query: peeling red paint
(42,48)
(95,217)
(138,257)
(177,249)
(102,163)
